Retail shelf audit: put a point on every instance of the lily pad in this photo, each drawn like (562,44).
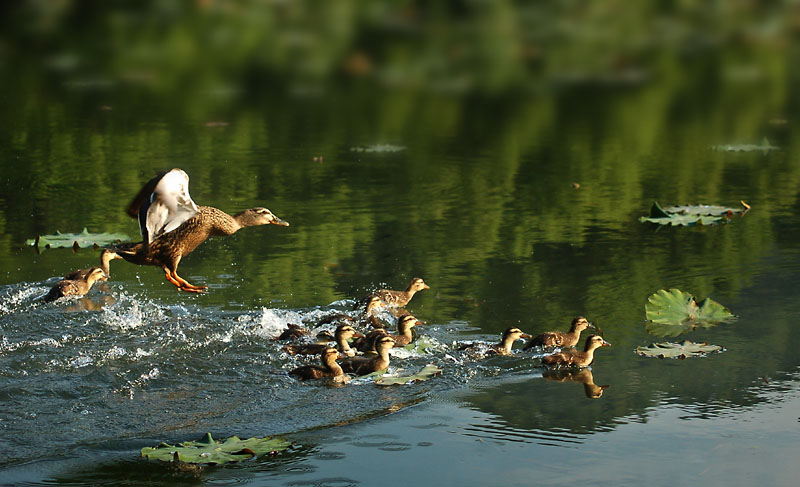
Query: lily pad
(673,312)
(426,373)
(680,350)
(421,345)
(763,147)
(691,215)
(77,240)
(210,451)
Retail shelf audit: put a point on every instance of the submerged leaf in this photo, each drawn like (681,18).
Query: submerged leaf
(764,147)
(210,451)
(680,350)
(421,345)
(673,312)
(378,148)
(76,240)
(426,373)
(690,215)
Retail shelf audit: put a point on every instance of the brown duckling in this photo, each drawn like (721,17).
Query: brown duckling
(404,327)
(578,358)
(397,299)
(504,347)
(76,287)
(367,317)
(292,332)
(329,368)
(561,338)
(342,334)
(365,365)
(106,256)
(172,225)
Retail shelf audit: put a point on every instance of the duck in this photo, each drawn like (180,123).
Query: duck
(329,368)
(106,256)
(405,334)
(398,299)
(368,365)
(342,334)
(76,287)
(172,225)
(366,318)
(292,332)
(583,376)
(569,338)
(576,357)
(503,348)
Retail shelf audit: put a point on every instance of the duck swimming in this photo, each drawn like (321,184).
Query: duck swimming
(342,334)
(364,365)
(405,334)
(172,225)
(76,287)
(397,299)
(575,357)
(329,368)
(503,348)
(561,338)
(106,256)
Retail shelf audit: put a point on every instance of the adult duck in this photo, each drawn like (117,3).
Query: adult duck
(172,225)
(364,365)
(510,335)
(569,338)
(398,299)
(577,358)
(76,287)
(405,334)
(329,368)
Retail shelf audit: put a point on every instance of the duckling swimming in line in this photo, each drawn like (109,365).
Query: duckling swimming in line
(552,339)
(172,225)
(364,365)
(503,348)
(575,357)
(329,368)
(398,299)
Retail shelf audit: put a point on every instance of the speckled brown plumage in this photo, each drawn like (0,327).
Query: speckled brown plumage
(329,367)
(405,334)
(577,358)
(342,334)
(392,298)
(75,287)
(561,338)
(364,365)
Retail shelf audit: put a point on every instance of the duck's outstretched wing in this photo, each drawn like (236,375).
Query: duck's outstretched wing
(163,204)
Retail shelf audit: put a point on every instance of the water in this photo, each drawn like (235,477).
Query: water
(514,191)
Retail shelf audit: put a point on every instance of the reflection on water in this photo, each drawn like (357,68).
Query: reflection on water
(583,376)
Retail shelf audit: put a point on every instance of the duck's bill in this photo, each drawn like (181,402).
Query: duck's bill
(279,222)
(606,344)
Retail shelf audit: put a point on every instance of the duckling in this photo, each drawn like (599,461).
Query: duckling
(576,357)
(397,299)
(172,225)
(342,334)
(366,318)
(329,368)
(560,338)
(106,256)
(292,332)
(364,365)
(405,336)
(503,348)
(75,287)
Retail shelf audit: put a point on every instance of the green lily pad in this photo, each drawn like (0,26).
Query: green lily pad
(426,373)
(210,451)
(77,240)
(421,345)
(670,313)
(691,215)
(680,350)
(763,147)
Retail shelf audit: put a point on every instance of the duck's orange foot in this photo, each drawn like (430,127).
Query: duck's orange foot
(182,284)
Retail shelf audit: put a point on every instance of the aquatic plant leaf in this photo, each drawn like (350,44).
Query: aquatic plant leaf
(421,345)
(76,240)
(680,350)
(378,148)
(210,451)
(690,215)
(426,373)
(764,147)
(670,313)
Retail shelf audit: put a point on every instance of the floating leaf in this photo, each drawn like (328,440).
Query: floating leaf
(421,345)
(690,215)
(76,240)
(378,148)
(673,312)
(764,147)
(680,350)
(426,373)
(210,451)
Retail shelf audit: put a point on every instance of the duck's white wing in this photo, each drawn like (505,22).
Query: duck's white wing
(170,205)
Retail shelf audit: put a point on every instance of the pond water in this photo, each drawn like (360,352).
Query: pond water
(519,207)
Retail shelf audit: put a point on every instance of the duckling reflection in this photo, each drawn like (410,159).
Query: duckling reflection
(583,376)
(329,369)
(577,358)
(503,348)
(569,338)
(398,299)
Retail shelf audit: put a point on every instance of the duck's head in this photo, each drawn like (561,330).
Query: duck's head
(417,284)
(374,303)
(324,337)
(95,274)
(407,322)
(580,323)
(384,344)
(513,334)
(330,355)
(595,341)
(259,216)
(347,332)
